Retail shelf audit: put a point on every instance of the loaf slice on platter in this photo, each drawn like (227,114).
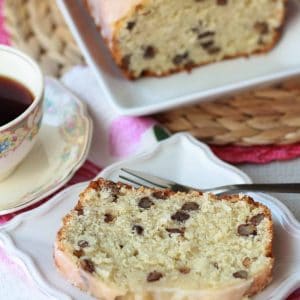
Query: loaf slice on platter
(158,37)
(122,243)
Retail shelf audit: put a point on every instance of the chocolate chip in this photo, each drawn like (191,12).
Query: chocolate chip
(149,52)
(78,253)
(144,72)
(87,265)
(246,229)
(121,246)
(83,244)
(130,25)
(108,218)
(154,276)
(176,230)
(160,195)
(216,265)
(189,65)
(195,29)
(79,209)
(205,34)
(213,50)
(115,198)
(222,2)
(145,203)
(139,229)
(261,27)
(184,270)
(207,44)
(112,186)
(114,190)
(255,220)
(190,206)
(240,274)
(180,188)
(180,216)
(179,58)
(246,262)
(126,61)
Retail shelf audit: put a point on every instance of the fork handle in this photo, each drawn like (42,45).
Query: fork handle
(262,187)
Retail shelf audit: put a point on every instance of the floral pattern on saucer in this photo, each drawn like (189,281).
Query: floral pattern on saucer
(25,130)
(61,148)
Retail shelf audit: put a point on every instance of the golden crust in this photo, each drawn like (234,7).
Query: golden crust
(261,281)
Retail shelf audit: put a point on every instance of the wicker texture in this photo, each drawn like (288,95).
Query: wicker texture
(260,117)
(37,28)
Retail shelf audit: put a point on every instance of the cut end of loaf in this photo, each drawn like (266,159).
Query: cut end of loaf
(137,241)
(160,37)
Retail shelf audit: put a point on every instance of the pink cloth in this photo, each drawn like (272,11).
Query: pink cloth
(13,266)
(256,154)
(4,36)
(295,295)
(125,134)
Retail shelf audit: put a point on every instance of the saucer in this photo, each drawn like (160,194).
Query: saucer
(62,147)
(191,162)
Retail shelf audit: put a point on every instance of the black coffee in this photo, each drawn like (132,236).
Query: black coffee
(14,99)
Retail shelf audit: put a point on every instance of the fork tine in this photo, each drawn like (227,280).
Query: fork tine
(132,181)
(149,179)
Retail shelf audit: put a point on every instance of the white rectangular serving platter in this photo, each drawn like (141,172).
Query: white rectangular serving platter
(150,95)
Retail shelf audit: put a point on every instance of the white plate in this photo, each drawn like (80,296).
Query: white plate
(29,237)
(151,95)
(62,147)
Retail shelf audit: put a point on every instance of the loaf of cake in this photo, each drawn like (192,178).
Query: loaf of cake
(143,244)
(159,37)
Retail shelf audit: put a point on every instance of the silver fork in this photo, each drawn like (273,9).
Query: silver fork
(144,179)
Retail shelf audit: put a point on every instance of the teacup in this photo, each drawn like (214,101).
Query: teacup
(18,136)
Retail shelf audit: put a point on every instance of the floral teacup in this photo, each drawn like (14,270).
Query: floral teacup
(19,135)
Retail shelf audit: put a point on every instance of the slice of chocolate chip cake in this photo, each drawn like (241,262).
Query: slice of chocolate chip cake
(158,37)
(127,244)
